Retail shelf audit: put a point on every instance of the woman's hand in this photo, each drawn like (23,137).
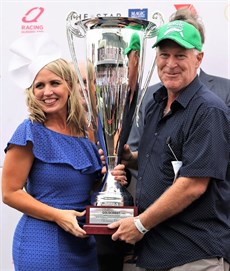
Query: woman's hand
(67,220)
(102,156)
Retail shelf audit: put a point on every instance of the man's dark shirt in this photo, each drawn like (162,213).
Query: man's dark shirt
(198,130)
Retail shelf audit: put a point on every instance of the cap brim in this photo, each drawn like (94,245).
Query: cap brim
(127,50)
(181,42)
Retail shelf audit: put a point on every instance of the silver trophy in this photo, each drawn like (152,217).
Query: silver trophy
(105,40)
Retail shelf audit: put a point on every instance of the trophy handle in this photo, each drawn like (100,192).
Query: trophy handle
(74,27)
(150,32)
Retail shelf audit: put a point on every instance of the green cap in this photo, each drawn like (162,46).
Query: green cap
(134,44)
(183,33)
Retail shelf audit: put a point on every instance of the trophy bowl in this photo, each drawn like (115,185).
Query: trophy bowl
(105,40)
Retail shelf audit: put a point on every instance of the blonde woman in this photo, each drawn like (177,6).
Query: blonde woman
(49,170)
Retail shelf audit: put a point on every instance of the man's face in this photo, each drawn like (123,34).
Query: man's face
(177,66)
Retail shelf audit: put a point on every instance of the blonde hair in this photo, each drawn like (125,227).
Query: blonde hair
(76,119)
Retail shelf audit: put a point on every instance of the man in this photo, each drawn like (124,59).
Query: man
(183,224)
(133,54)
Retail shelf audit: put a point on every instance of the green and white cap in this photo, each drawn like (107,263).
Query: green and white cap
(134,44)
(183,33)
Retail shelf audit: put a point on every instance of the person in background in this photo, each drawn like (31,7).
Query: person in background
(183,221)
(88,73)
(94,130)
(218,85)
(133,54)
(50,165)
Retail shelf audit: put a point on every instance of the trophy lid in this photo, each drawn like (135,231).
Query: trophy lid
(108,22)
(122,22)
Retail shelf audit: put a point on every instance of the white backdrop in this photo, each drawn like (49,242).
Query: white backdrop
(22,17)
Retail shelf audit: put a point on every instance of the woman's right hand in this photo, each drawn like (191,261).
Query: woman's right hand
(67,220)
(102,156)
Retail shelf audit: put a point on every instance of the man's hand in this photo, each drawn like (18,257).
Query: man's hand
(126,231)
(119,174)
(129,158)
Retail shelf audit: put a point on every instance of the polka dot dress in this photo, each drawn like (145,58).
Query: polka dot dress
(62,176)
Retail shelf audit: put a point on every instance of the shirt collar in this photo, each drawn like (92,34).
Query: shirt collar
(185,96)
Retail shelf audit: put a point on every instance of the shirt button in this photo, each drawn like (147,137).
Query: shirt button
(147,155)
(140,178)
(156,134)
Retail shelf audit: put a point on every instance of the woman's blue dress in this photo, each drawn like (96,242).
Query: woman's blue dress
(62,176)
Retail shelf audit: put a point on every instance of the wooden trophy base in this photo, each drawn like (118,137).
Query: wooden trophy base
(98,217)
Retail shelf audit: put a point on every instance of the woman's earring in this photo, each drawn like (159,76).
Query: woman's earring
(68,105)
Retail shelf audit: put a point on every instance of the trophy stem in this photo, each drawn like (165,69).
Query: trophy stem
(110,184)
(113,193)
(112,162)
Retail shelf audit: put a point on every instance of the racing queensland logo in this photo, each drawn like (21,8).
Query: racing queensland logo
(31,19)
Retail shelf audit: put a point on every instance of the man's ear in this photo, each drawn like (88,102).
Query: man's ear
(200,58)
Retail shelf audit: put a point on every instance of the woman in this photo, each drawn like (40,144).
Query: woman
(49,170)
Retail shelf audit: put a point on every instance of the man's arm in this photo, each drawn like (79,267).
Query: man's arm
(173,201)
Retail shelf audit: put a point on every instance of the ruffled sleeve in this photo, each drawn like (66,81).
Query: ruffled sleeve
(53,147)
